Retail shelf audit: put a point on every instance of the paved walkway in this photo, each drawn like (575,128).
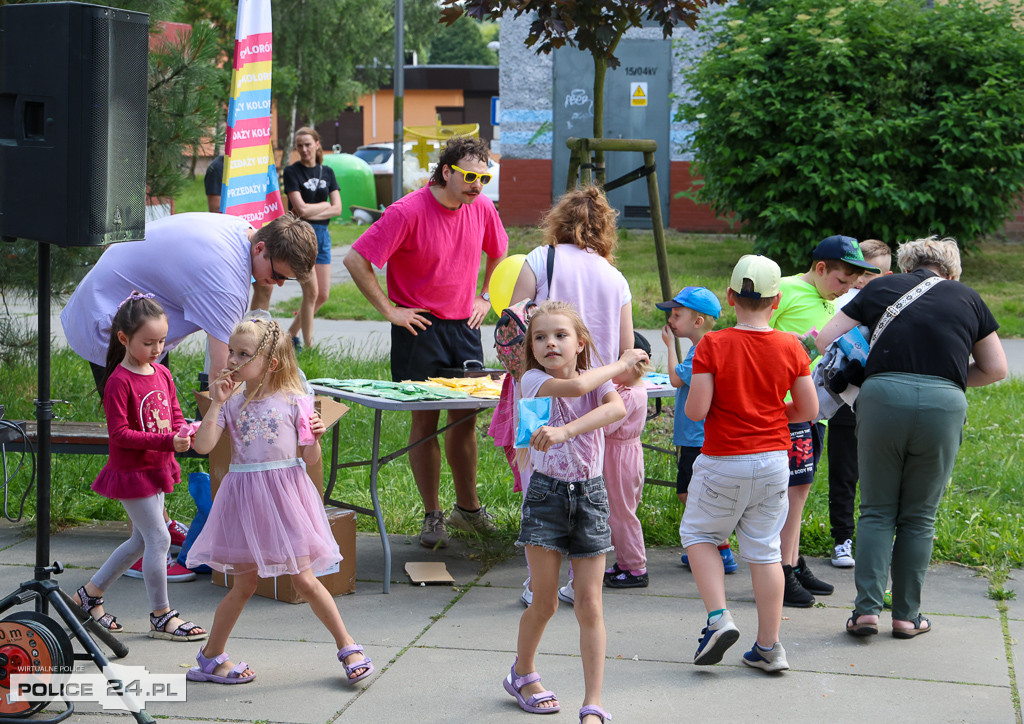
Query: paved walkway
(441,651)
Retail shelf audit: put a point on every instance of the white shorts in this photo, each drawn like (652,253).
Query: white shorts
(745,493)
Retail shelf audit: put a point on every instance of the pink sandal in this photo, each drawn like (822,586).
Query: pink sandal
(204,672)
(349,668)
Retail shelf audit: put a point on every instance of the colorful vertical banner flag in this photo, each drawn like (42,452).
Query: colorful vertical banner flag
(250,189)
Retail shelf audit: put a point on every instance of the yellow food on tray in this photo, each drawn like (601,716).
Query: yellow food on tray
(475,386)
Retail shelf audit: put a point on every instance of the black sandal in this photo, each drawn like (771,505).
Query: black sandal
(181,633)
(860,629)
(909,633)
(88,603)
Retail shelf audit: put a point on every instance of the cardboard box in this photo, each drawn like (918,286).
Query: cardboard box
(339,580)
(220,457)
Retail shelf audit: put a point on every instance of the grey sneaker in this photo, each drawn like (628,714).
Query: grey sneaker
(715,639)
(527,597)
(433,533)
(842,555)
(481,522)
(772,660)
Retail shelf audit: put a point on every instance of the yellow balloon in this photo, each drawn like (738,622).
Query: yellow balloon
(503,281)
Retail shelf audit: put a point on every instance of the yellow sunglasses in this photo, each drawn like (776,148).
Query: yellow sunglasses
(471,176)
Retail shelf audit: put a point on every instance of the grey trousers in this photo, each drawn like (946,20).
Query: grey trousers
(909,429)
(151,540)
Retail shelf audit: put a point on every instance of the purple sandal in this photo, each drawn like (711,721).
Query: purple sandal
(87,603)
(204,672)
(596,711)
(349,668)
(514,684)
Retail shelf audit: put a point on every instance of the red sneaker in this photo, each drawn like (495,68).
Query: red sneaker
(175,572)
(178,532)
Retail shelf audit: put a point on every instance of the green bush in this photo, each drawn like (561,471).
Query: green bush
(875,118)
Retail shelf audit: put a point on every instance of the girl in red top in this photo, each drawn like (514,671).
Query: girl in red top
(142,412)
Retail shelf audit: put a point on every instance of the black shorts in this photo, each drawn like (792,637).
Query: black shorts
(687,456)
(805,442)
(445,343)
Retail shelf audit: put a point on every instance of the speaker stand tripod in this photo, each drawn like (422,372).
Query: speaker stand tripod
(53,650)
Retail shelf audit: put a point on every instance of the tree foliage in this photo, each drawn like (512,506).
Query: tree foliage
(186,101)
(594,27)
(877,118)
(183,105)
(329,52)
(461,43)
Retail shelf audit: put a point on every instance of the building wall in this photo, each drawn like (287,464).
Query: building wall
(419,107)
(526,117)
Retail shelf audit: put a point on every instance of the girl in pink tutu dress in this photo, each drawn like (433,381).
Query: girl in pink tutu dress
(142,411)
(267,519)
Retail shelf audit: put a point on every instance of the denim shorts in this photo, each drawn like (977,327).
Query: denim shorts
(745,493)
(568,517)
(323,243)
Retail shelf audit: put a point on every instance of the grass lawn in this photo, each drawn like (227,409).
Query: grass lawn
(979,522)
(700,260)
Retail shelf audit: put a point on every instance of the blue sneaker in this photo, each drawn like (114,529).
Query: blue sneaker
(715,639)
(728,562)
(731,566)
(772,660)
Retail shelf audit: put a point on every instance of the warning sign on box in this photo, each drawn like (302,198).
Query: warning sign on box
(638,94)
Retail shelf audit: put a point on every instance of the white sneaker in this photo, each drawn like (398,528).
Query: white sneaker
(527,597)
(566,594)
(842,555)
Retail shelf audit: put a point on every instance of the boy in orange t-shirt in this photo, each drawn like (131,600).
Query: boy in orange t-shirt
(740,379)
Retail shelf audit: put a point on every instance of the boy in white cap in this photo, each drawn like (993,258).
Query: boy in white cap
(691,314)
(740,380)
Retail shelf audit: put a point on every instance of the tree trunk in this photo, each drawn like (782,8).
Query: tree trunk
(600,73)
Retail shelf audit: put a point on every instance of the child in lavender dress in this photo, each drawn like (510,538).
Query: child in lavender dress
(267,519)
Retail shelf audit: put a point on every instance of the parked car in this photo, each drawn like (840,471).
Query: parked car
(379,158)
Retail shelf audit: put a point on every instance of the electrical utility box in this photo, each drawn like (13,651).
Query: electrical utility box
(636,105)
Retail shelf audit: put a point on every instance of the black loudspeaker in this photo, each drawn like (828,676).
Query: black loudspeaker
(73,83)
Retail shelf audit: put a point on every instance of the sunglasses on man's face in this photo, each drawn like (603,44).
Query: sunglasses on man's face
(278,277)
(471,176)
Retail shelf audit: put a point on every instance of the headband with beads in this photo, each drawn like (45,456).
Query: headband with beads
(134,297)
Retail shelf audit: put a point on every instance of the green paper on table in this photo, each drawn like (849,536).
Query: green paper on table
(398,391)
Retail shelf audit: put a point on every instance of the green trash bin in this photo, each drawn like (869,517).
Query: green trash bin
(355,180)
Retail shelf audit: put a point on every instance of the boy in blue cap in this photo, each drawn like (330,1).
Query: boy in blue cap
(692,314)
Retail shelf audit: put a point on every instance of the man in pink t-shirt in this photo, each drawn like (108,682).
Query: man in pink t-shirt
(431,241)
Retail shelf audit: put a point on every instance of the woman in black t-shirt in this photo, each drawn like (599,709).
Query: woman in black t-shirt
(910,416)
(313,195)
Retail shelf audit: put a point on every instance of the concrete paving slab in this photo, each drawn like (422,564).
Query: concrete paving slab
(659,692)
(443,650)
(461,558)
(1017,651)
(11,535)
(84,546)
(820,643)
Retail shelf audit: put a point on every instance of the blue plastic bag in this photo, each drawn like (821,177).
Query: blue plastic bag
(199,488)
(533,413)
